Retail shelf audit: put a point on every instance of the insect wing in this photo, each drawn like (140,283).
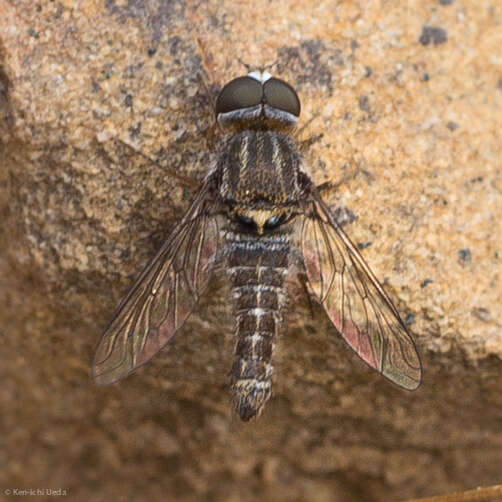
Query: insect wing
(354,300)
(162,297)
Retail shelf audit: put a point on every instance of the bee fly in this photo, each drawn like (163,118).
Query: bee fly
(245,213)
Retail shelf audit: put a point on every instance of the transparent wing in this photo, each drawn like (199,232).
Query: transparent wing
(163,295)
(354,300)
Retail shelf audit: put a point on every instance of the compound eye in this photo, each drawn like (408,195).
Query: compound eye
(275,221)
(245,220)
(242,92)
(280,95)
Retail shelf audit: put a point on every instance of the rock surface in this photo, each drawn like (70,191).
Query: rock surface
(408,99)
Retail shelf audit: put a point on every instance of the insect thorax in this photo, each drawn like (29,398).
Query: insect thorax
(259,168)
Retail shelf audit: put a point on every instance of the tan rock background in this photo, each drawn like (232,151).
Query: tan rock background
(408,98)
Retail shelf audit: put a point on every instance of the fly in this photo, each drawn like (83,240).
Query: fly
(247,212)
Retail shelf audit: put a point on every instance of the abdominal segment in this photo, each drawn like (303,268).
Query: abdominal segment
(256,269)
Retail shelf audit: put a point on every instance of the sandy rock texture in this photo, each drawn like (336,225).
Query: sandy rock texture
(408,99)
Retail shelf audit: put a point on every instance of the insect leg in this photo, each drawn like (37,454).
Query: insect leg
(299,278)
(185,180)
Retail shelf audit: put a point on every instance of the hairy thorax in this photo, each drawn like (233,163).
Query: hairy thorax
(260,169)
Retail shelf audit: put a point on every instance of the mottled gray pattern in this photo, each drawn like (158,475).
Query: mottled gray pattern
(256,271)
(259,177)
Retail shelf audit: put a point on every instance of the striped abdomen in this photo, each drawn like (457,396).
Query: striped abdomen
(256,267)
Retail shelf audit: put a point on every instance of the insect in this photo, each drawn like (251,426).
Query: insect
(246,213)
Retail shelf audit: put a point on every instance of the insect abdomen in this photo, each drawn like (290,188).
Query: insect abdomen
(256,267)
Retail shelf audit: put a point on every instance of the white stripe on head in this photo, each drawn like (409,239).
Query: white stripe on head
(261,76)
